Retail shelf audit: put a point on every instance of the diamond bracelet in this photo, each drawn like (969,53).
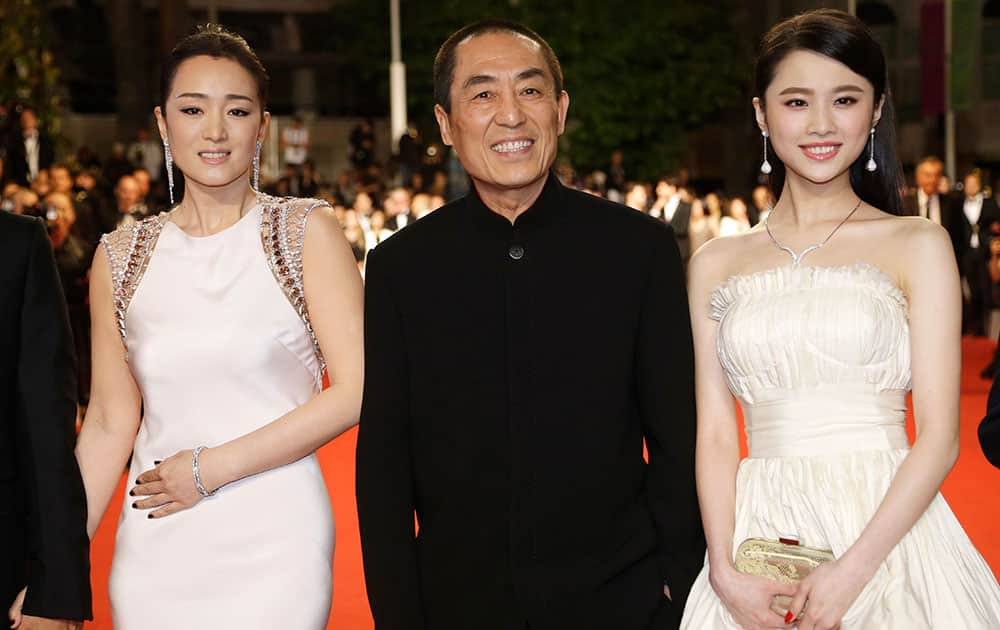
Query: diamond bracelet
(195,459)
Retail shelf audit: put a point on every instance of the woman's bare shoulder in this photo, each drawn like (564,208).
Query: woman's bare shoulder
(721,256)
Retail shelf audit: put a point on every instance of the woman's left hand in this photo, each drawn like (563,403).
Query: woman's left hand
(169,487)
(825,596)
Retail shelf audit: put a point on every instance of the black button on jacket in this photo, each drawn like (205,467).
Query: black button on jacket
(513,373)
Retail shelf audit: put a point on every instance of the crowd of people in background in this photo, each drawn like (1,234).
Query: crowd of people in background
(968,211)
(84,197)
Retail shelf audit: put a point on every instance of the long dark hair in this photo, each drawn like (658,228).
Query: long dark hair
(212,40)
(846,39)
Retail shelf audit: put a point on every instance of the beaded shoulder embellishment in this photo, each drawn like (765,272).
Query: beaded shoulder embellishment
(128,250)
(283,232)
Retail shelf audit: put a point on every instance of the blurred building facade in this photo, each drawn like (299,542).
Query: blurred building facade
(109,52)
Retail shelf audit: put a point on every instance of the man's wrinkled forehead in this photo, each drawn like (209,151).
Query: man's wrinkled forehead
(496,52)
(519,36)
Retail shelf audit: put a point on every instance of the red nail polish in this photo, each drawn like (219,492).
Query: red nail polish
(149,516)
(789,617)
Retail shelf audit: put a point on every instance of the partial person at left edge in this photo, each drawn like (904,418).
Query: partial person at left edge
(989,428)
(44,557)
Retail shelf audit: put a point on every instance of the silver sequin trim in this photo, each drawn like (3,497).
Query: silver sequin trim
(283,232)
(128,250)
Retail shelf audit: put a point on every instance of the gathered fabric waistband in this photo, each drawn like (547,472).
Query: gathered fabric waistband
(826,420)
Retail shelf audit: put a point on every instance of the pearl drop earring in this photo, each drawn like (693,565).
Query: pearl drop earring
(871,166)
(765,167)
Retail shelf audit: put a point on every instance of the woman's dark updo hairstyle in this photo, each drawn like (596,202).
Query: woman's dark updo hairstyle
(212,40)
(844,38)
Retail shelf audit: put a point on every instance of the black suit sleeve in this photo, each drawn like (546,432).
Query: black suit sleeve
(989,428)
(954,222)
(989,216)
(681,220)
(665,375)
(385,492)
(58,554)
(46,152)
(16,164)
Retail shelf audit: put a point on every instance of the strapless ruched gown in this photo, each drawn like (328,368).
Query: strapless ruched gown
(819,358)
(218,351)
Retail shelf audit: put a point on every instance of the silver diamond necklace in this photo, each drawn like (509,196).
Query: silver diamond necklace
(797,257)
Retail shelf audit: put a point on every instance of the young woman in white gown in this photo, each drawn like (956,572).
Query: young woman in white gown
(212,325)
(819,320)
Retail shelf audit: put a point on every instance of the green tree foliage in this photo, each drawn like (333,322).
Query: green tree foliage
(28,75)
(639,74)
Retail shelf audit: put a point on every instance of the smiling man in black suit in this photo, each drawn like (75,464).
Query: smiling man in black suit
(522,343)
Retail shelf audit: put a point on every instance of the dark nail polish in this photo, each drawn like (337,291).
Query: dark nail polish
(149,516)
(158,462)
(137,482)
(136,505)
(131,493)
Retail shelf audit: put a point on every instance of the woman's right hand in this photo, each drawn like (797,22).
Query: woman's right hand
(750,598)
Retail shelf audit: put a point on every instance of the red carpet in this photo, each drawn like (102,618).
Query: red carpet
(971,489)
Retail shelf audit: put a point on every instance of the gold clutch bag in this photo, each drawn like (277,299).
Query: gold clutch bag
(783,560)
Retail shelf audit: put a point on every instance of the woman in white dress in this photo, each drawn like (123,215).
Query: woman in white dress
(818,321)
(212,326)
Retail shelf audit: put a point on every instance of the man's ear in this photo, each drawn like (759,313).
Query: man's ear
(563,110)
(444,124)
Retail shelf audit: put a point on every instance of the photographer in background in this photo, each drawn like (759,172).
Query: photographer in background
(72,253)
(16,199)
(128,197)
(86,225)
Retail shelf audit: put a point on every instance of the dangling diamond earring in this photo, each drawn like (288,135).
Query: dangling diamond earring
(169,159)
(765,168)
(871,166)
(256,168)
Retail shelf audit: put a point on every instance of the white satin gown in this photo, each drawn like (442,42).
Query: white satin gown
(218,351)
(819,358)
